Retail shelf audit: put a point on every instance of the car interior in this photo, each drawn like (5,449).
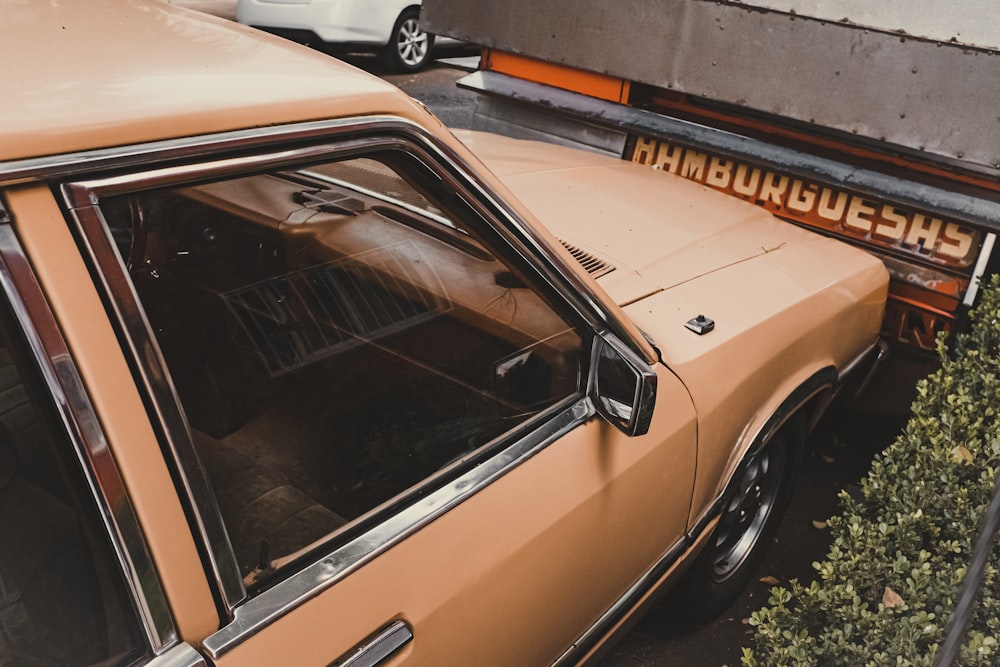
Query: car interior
(334,341)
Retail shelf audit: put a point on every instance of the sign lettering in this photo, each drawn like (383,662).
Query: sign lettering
(842,212)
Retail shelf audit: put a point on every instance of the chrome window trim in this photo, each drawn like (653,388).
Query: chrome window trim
(161,401)
(82,427)
(181,655)
(271,604)
(118,158)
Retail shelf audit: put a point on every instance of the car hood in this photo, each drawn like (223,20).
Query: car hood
(636,230)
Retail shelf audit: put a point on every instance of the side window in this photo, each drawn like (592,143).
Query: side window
(63,600)
(336,340)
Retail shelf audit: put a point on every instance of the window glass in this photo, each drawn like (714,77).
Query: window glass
(336,339)
(63,600)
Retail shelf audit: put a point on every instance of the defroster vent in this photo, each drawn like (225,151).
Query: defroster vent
(595,266)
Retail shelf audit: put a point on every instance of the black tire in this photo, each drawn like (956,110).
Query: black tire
(409,48)
(752,509)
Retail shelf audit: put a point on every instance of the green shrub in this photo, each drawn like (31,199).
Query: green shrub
(888,584)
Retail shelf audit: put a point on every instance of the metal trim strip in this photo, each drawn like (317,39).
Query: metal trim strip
(182,655)
(80,422)
(71,165)
(985,253)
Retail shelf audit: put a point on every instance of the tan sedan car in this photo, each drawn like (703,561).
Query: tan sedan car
(289,377)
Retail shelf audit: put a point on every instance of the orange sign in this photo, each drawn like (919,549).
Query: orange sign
(844,213)
(913,325)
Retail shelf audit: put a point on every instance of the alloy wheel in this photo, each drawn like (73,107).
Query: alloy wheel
(412,43)
(749,506)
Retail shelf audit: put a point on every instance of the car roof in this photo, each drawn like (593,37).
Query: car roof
(78,76)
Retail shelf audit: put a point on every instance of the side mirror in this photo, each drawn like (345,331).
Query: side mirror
(622,385)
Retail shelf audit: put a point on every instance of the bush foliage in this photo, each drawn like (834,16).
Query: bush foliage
(888,584)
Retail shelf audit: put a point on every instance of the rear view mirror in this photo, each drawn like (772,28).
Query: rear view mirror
(622,385)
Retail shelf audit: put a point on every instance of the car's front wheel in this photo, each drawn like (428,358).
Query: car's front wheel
(752,508)
(409,48)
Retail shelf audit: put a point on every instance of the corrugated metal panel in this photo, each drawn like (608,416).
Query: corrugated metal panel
(968,22)
(937,97)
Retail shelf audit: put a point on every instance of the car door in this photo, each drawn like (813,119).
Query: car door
(378,394)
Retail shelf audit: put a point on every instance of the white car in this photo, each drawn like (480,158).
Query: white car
(388,27)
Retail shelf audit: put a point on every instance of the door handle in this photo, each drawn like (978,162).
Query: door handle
(379,647)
